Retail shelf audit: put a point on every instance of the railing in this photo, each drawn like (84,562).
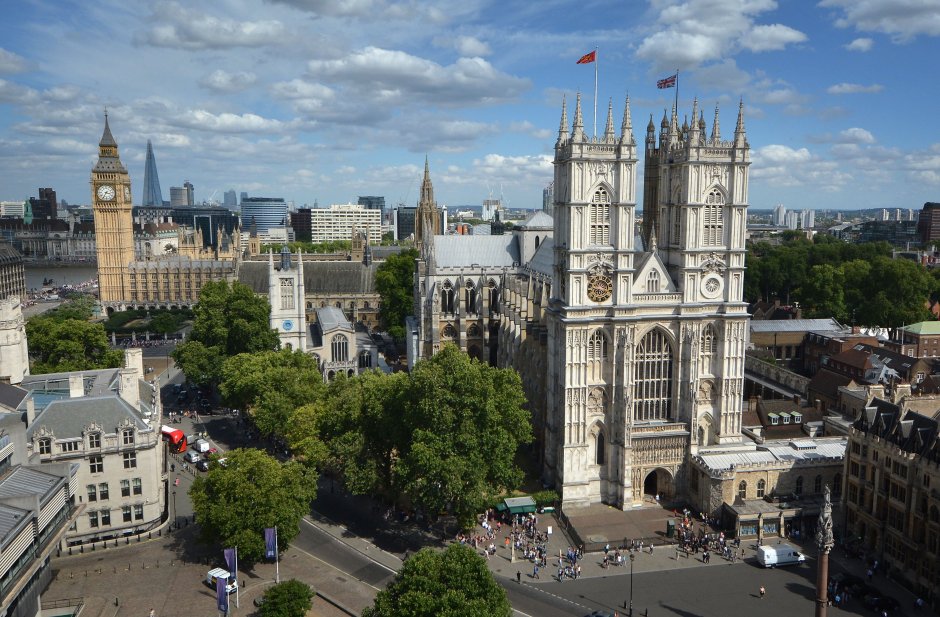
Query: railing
(63,603)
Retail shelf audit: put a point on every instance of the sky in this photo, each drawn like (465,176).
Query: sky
(320,101)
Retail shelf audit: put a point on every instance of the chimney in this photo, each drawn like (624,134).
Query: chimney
(30,411)
(76,386)
(796,400)
(134,359)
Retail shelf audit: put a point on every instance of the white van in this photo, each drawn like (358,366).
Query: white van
(217,573)
(779,555)
(202,446)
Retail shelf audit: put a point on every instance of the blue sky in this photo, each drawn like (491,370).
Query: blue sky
(327,100)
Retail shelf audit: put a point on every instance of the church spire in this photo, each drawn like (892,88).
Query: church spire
(693,128)
(577,129)
(740,138)
(609,129)
(563,126)
(626,127)
(106,138)
(427,218)
(716,128)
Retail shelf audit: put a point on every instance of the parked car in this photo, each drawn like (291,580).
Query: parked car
(192,457)
(202,465)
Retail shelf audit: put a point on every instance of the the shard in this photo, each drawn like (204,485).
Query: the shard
(152,194)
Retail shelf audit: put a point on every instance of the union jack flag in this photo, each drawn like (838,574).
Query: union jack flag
(669,82)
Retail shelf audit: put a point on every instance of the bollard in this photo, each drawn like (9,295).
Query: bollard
(127,540)
(150,535)
(82,549)
(116,603)
(92,547)
(70,551)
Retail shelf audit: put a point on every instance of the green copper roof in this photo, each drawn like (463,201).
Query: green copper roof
(924,327)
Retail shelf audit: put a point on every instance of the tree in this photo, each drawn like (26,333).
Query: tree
(454,582)
(291,598)
(394,280)
(69,345)
(466,421)
(235,503)
(270,385)
(229,320)
(823,293)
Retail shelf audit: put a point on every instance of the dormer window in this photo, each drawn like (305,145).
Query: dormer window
(94,440)
(786,417)
(797,417)
(45,446)
(127,436)
(774,419)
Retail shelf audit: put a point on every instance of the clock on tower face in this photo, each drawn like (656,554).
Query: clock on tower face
(599,287)
(106,192)
(287,324)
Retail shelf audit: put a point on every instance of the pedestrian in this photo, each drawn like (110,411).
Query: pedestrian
(869,574)
(535,571)
(151,613)
(519,576)
(763,592)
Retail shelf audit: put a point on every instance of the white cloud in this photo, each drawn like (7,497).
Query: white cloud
(402,77)
(300,89)
(471,46)
(847,88)
(226,122)
(527,128)
(335,8)
(179,27)
(861,45)
(695,32)
(771,38)
(902,20)
(224,82)
(11,62)
(855,136)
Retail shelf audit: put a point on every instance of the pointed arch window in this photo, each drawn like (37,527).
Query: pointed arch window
(470,298)
(713,219)
(652,282)
(798,489)
(447,298)
(599,448)
(340,348)
(708,347)
(817,485)
(600,218)
(597,347)
(287,294)
(761,488)
(742,490)
(449,331)
(652,378)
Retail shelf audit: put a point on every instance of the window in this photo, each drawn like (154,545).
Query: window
(45,446)
(94,440)
(92,519)
(125,488)
(853,494)
(96,464)
(599,449)
(742,490)
(127,436)
(126,512)
(139,512)
(837,486)
(447,297)
(853,469)
(774,418)
(798,489)
(103,490)
(287,294)
(761,488)
(130,460)
(713,219)
(797,418)
(70,446)
(138,487)
(600,218)
(652,377)
(597,347)
(340,348)
(707,347)
(817,485)
(652,282)
(92,492)
(896,519)
(470,299)
(105,517)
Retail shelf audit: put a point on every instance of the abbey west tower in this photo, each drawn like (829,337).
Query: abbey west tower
(114,233)
(645,337)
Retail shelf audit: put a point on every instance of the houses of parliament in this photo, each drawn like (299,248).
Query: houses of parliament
(127,280)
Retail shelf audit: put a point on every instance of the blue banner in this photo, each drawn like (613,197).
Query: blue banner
(270,543)
(221,594)
(230,558)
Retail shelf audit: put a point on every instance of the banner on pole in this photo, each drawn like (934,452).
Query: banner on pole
(221,594)
(229,554)
(270,543)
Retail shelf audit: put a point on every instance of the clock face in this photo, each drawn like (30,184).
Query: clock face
(127,194)
(599,287)
(288,325)
(105,192)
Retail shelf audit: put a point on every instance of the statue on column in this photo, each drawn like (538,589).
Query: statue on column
(824,542)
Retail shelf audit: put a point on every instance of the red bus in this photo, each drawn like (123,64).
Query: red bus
(174,437)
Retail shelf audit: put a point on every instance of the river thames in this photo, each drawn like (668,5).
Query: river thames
(60,275)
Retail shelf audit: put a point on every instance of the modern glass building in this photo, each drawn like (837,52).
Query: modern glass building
(153,196)
(264,212)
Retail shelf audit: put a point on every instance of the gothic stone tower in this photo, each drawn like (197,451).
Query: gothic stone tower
(427,218)
(641,351)
(114,233)
(286,295)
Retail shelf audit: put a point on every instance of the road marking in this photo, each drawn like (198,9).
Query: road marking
(548,593)
(312,556)
(344,528)
(312,524)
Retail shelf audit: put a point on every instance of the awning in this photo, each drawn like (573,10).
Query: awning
(519,505)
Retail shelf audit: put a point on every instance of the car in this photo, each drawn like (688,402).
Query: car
(192,457)
(600,614)
(202,465)
(872,598)
(212,450)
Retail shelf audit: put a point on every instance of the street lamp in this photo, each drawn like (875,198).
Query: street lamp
(175,520)
(632,559)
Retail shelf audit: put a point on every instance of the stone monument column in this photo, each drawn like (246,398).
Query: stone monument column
(824,542)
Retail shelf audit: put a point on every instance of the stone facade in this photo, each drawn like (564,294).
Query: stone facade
(14,355)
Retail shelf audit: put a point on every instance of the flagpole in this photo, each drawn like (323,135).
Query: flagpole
(236,577)
(595,92)
(277,561)
(677,95)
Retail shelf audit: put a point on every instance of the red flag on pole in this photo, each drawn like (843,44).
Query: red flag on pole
(668,82)
(588,58)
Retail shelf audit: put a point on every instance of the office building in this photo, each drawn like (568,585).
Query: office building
(548,198)
(339,220)
(263,213)
(153,196)
(929,223)
(230,200)
(780,214)
(372,202)
(46,207)
(405,222)
(301,222)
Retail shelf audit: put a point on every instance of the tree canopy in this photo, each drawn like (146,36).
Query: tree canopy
(444,437)
(235,503)
(270,385)
(58,345)
(229,320)
(454,582)
(856,283)
(291,598)
(394,280)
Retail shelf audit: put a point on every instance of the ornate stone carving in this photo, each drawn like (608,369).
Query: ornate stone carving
(713,263)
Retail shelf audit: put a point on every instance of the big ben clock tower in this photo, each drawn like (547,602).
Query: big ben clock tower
(114,233)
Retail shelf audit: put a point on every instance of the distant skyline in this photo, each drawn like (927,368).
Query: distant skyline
(326,100)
